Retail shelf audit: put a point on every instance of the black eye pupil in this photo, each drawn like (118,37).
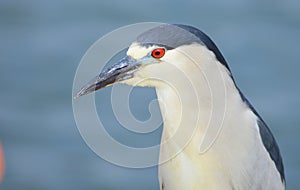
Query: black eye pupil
(157,53)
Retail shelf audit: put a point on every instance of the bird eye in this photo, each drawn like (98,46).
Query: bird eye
(158,53)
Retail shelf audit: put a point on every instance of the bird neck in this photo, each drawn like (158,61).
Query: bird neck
(193,113)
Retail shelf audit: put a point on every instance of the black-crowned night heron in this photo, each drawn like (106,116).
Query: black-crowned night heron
(229,145)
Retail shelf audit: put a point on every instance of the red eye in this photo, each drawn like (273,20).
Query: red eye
(158,53)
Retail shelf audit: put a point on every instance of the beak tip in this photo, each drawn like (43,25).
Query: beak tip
(76,96)
(86,90)
(80,93)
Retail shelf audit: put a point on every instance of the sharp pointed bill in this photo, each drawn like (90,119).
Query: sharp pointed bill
(122,70)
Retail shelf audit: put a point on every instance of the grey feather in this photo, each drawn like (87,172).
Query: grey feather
(174,35)
(268,140)
(271,146)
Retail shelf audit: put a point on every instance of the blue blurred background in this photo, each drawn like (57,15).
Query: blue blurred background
(42,42)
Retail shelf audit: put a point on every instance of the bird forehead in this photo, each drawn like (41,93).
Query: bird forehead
(137,51)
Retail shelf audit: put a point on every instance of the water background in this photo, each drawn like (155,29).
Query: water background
(42,42)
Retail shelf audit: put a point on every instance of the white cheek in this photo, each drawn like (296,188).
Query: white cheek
(187,55)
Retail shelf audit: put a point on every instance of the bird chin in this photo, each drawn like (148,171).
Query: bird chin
(136,81)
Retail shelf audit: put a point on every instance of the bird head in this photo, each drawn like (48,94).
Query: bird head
(157,56)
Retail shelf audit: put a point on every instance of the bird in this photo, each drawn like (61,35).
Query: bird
(212,137)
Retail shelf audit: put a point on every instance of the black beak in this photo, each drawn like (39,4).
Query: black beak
(120,71)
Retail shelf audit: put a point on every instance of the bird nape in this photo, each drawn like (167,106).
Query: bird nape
(212,136)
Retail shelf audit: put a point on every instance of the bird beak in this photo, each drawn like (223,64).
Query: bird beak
(122,70)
